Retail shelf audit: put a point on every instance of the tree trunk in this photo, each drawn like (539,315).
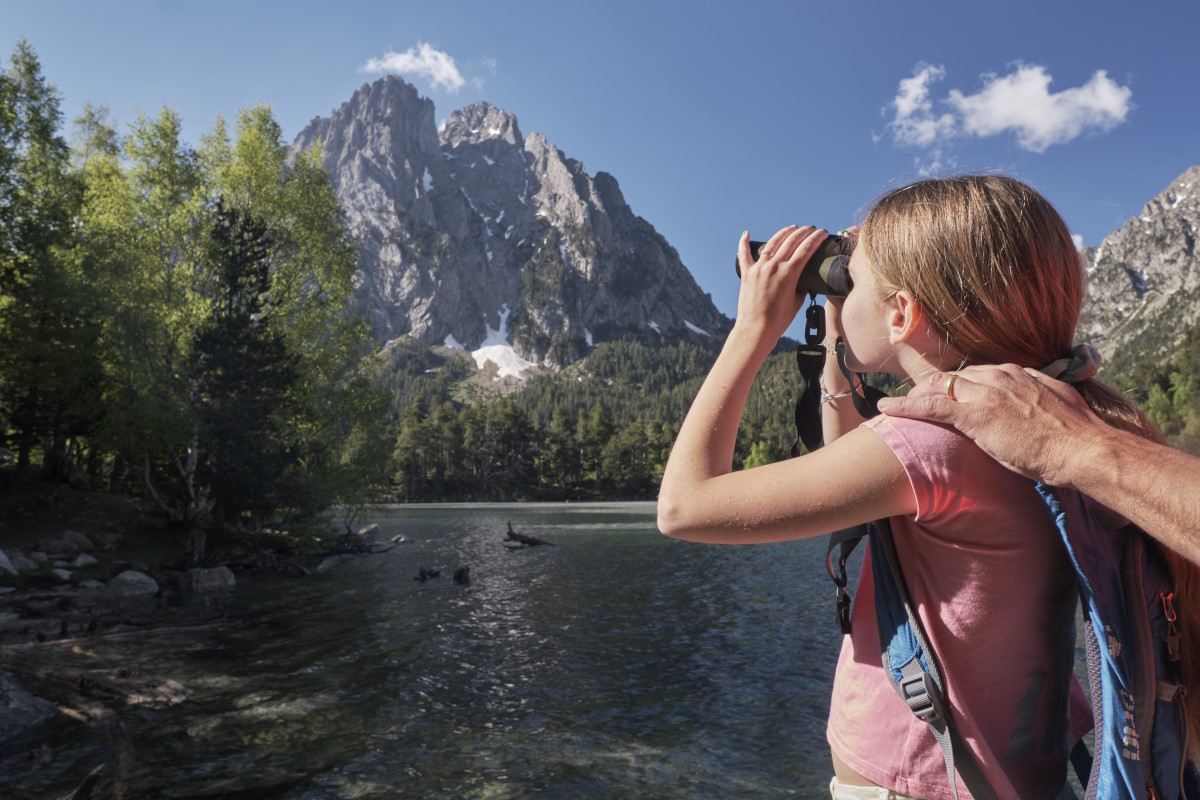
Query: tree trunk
(24,449)
(197,537)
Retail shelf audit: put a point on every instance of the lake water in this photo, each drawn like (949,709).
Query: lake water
(616,664)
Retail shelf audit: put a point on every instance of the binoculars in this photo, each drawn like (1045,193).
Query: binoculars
(825,273)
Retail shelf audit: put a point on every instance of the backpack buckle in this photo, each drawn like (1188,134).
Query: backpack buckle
(921,695)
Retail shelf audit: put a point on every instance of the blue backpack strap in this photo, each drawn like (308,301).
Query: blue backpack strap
(1141,730)
(909,663)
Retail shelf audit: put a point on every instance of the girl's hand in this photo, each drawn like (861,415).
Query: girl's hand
(768,301)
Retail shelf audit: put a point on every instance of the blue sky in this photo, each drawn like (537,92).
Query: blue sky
(714,118)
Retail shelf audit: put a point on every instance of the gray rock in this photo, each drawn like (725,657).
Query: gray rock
(91,584)
(109,541)
(6,565)
(24,563)
(369,530)
(39,556)
(131,583)
(58,547)
(63,575)
(329,562)
(1143,279)
(217,579)
(78,539)
(19,710)
(83,560)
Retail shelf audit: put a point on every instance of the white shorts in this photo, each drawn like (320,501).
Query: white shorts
(840,791)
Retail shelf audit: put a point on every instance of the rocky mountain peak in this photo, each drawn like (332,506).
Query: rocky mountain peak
(480,122)
(476,238)
(1144,279)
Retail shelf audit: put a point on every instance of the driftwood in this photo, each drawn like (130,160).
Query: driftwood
(523,540)
(72,686)
(89,788)
(85,695)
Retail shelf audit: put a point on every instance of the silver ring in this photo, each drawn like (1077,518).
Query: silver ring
(766,253)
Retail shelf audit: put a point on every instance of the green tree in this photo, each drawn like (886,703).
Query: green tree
(244,372)
(47,370)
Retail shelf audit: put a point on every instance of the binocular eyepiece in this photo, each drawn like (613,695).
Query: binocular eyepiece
(825,273)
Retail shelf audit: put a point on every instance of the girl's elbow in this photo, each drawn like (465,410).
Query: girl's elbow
(671,520)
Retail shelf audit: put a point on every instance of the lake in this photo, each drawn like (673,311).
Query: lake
(615,664)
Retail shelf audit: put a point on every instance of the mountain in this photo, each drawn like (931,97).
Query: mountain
(480,238)
(1144,280)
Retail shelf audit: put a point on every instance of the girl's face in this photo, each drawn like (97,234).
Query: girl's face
(864,320)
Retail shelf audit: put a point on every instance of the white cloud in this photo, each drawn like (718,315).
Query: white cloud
(423,60)
(915,123)
(1020,103)
(1023,103)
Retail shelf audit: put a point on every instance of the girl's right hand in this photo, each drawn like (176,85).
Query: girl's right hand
(768,301)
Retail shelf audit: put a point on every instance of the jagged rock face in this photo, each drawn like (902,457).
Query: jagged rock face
(1144,280)
(476,235)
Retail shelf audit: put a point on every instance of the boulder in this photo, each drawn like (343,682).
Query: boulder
(19,710)
(58,547)
(78,539)
(370,530)
(83,560)
(63,575)
(91,584)
(132,583)
(24,564)
(217,579)
(6,565)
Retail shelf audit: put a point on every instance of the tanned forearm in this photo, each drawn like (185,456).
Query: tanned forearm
(1156,487)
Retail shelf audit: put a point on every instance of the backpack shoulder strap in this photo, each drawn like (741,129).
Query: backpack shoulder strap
(909,662)
(1141,729)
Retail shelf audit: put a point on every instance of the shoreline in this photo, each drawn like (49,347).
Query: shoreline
(79,567)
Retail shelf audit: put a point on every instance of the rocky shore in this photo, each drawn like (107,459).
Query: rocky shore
(77,567)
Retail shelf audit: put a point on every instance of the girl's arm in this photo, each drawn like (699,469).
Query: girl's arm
(853,480)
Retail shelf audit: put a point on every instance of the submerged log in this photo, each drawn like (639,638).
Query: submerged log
(523,539)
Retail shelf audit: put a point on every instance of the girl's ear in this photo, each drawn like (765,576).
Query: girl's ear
(905,318)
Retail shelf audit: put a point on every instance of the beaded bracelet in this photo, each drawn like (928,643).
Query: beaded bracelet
(826,397)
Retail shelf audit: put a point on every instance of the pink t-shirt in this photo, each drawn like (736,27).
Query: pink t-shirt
(991,583)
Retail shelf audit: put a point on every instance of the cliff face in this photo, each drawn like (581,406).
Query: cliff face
(1144,279)
(476,236)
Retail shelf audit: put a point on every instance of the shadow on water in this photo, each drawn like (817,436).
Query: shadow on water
(616,663)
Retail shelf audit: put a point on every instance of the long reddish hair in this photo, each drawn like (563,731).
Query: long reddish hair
(993,266)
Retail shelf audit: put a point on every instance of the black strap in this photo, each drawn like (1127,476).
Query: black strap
(844,542)
(810,360)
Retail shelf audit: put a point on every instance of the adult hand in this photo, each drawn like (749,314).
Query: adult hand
(768,301)
(1031,423)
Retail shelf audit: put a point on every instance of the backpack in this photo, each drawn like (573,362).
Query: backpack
(1141,732)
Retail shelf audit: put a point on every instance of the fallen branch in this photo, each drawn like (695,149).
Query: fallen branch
(522,539)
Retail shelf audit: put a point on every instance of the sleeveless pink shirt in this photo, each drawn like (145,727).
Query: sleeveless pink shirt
(991,583)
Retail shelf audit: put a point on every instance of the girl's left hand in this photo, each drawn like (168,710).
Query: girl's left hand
(769,301)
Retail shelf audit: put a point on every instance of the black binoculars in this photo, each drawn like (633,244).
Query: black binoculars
(825,273)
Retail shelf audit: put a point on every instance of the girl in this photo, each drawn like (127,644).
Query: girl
(947,272)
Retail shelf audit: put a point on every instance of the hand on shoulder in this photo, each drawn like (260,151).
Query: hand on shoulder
(1031,423)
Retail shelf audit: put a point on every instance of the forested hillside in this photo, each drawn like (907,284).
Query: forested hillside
(601,428)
